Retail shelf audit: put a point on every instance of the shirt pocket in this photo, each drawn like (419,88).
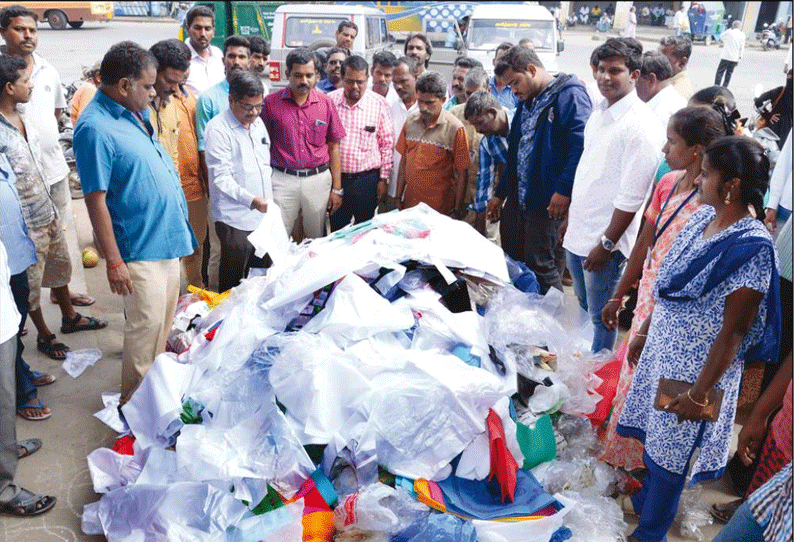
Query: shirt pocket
(318,133)
(368,139)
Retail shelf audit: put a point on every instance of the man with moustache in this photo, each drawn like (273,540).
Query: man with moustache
(215,100)
(346,34)
(260,53)
(366,151)
(544,146)
(135,203)
(383,63)
(305,132)
(238,161)
(173,62)
(333,70)
(435,152)
(462,67)
(206,61)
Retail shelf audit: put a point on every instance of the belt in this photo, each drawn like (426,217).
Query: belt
(360,173)
(302,172)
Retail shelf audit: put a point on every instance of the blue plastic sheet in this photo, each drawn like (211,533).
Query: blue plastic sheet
(438,528)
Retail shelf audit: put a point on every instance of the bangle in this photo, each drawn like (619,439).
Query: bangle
(640,334)
(116,265)
(618,299)
(701,405)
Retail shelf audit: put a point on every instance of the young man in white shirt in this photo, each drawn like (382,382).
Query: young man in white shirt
(732,50)
(404,80)
(237,152)
(206,64)
(623,139)
(654,88)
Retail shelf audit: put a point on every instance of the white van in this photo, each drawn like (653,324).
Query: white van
(314,26)
(492,24)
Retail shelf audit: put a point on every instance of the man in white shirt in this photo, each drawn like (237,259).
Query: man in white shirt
(778,207)
(383,63)
(681,22)
(404,80)
(206,63)
(653,86)
(237,152)
(623,139)
(732,50)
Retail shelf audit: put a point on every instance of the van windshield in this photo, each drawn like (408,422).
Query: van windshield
(487,34)
(303,30)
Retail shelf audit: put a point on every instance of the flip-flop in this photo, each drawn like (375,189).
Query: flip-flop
(78,300)
(31,446)
(38,405)
(73,325)
(42,379)
(46,345)
(28,504)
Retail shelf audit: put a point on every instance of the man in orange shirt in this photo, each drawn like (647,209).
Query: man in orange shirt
(435,154)
(84,93)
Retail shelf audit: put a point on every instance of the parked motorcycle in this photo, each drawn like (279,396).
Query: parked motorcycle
(769,38)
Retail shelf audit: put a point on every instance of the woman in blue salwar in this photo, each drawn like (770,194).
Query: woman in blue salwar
(717,305)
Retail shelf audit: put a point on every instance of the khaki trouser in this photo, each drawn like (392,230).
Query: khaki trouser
(197,212)
(150,313)
(307,194)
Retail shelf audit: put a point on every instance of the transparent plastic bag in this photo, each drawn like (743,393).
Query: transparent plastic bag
(379,508)
(588,476)
(693,514)
(439,528)
(594,518)
(581,440)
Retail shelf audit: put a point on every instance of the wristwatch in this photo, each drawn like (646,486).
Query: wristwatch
(340,192)
(607,243)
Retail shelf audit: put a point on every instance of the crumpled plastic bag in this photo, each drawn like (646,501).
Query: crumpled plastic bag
(379,508)
(583,475)
(581,440)
(693,514)
(78,361)
(110,414)
(594,518)
(475,462)
(524,531)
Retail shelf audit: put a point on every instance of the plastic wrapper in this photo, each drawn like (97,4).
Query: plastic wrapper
(594,518)
(78,361)
(583,475)
(581,440)
(379,508)
(693,514)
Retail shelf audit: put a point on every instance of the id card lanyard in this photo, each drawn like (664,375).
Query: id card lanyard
(657,231)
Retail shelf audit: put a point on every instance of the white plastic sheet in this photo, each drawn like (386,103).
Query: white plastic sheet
(78,361)
(110,414)
(270,237)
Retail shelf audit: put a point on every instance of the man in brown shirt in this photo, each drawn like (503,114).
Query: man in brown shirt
(435,153)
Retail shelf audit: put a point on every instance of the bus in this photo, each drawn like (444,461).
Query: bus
(61,15)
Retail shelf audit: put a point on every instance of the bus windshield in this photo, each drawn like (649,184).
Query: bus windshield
(487,34)
(303,30)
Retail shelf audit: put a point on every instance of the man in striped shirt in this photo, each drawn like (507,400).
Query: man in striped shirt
(490,119)
(366,151)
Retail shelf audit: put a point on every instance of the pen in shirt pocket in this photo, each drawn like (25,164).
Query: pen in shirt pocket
(318,122)
(370,129)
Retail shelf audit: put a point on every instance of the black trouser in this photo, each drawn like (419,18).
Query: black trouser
(726,67)
(26,391)
(530,236)
(359,199)
(237,256)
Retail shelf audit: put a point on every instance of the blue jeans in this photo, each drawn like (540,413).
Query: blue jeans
(594,290)
(26,391)
(741,528)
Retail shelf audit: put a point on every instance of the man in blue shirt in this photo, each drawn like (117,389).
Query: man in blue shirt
(545,143)
(499,89)
(135,203)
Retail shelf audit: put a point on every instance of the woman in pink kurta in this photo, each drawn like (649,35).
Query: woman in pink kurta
(674,200)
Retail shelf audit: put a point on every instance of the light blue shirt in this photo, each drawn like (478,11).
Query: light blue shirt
(504,96)
(238,162)
(147,206)
(211,103)
(13,231)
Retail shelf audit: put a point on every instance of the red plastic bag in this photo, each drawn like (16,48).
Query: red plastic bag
(610,374)
(503,464)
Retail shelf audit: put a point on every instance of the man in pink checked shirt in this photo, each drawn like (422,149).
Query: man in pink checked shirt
(367,150)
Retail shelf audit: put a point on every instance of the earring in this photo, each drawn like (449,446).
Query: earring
(728,198)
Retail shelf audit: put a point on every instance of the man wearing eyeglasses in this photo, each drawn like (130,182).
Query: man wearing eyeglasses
(237,150)
(366,151)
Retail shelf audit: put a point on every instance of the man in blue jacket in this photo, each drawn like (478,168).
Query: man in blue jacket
(545,142)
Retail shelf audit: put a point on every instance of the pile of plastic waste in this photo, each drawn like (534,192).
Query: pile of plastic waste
(399,380)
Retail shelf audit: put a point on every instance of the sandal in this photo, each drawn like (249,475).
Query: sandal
(74,325)
(78,300)
(724,512)
(28,447)
(46,345)
(42,379)
(28,504)
(38,405)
